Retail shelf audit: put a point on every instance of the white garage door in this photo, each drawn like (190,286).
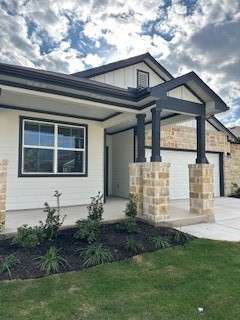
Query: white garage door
(178,172)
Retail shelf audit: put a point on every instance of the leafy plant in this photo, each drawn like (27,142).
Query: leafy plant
(133,245)
(28,237)
(236,192)
(7,263)
(160,242)
(131,206)
(95,254)
(88,230)
(129,225)
(95,209)
(52,261)
(2,237)
(53,221)
(179,237)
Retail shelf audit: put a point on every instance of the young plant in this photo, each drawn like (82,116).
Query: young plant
(95,209)
(2,237)
(129,225)
(95,254)
(53,221)
(88,230)
(236,192)
(131,206)
(179,237)
(7,263)
(160,242)
(28,237)
(52,261)
(133,245)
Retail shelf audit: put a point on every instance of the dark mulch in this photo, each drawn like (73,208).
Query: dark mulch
(113,239)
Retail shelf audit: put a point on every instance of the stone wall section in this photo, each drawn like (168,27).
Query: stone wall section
(136,184)
(235,163)
(3,191)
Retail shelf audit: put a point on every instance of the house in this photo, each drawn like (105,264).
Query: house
(79,134)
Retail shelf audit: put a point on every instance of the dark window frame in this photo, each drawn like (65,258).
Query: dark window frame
(21,146)
(138,76)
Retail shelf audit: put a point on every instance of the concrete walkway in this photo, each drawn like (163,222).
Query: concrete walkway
(226,225)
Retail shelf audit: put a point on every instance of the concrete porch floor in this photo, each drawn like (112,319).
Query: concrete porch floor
(225,227)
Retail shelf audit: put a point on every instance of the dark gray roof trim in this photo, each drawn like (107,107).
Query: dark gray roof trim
(122,64)
(220,127)
(161,90)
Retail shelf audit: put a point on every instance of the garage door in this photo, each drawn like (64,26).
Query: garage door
(178,171)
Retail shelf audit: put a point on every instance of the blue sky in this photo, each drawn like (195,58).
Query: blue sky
(182,35)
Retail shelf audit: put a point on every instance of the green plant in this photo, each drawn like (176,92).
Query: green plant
(88,230)
(133,245)
(95,254)
(2,237)
(131,206)
(7,263)
(95,209)
(179,237)
(52,261)
(160,242)
(236,192)
(53,221)
(28,237)
(129,225)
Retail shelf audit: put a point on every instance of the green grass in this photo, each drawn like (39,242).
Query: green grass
(167,284)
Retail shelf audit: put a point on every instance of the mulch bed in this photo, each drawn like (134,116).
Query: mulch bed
(110,237)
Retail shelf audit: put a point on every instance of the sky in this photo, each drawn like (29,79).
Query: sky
(182,35)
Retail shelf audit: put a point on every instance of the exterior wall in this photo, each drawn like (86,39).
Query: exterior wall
(185,137)
(183,93)
(235,163)
(3,191)
(122,155)
(33,192)
(127,77)
(109,145)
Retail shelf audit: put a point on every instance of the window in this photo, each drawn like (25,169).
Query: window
(142,79)
(49,148)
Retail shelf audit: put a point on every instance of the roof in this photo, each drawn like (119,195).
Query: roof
(233,137)
(146,57)
(235,130)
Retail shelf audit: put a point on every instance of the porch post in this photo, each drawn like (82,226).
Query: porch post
(140,137)
(156,119)
(201,133)
(3,191)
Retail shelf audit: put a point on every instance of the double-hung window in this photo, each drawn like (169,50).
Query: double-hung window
(49,148)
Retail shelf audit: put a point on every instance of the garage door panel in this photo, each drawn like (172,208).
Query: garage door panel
(178,171)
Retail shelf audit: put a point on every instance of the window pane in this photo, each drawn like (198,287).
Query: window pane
(38,160)
(38,134)
(69,137)
(70,161)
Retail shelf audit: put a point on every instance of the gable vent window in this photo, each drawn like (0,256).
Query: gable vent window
(142,79)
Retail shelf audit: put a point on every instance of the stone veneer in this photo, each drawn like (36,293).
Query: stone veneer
(3,192)
(201,189)
(150,182)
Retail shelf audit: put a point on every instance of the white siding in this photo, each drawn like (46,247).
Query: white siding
(32,192)
(183,93)
(109,145)
(127,77)
(122,155)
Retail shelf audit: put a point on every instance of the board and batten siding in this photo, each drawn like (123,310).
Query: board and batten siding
(127,77)
(122,155)
(33,192)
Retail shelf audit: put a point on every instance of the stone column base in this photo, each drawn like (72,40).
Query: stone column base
(136,184)
(201,189)
(3,191)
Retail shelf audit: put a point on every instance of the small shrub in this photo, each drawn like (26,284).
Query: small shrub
(52,261)
(2,237)
(28,237)
(7,263)
(53,221)
(95,209)
(131,206)
(179,237)
(88,230)
(236,192)
(129,225)
(95,254)
(160,242)
(133,245)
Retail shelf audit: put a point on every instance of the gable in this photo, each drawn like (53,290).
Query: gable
(183,93)
(127,76)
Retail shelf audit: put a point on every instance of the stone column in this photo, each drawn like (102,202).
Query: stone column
(3,191)
(201,189)
(136,184)
(155,191)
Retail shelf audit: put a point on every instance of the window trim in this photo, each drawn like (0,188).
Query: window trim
(147,73)
(21,146)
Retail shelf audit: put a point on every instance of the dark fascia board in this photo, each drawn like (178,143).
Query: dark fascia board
(161,90)
(220,127)
(122,64)
(182,106)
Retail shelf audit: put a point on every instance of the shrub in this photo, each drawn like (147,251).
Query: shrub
(52,261)
(160,242)
(7,263)
(28,237)
(95,254)
(95,209)
(88,230)
(236,192)
(129,225)
(53,221)
(133,245)
(2,237)
(131,206)
(179,237)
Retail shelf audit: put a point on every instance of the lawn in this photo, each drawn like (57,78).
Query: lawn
(167,284)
